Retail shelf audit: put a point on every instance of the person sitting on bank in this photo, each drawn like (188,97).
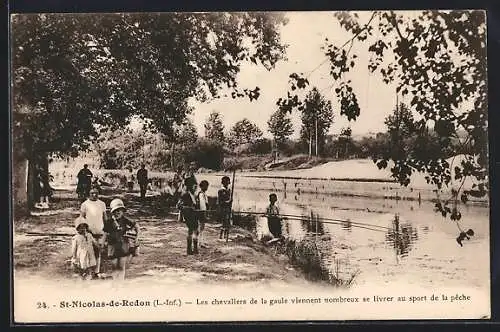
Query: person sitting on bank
(273,217)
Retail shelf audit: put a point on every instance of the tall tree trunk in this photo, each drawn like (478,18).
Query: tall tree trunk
(172,163)
(19,184)
(316,137)
(20,163)
(310,144)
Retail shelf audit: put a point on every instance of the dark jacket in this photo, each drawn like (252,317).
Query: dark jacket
(142,176)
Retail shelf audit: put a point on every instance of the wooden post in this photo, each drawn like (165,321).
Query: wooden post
(232,195)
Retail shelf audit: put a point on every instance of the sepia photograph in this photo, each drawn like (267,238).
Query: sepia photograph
(249,166)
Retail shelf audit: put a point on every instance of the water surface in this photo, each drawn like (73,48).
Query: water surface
(421,249)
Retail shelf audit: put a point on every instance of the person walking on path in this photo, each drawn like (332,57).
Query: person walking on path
(84,182)
(142,178)
(122,237)
(93,211)
(187,206)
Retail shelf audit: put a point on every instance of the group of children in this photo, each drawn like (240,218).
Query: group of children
(98,236)
(115,237)
(193,207)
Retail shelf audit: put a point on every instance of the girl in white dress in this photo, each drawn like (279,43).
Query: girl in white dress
(82,250)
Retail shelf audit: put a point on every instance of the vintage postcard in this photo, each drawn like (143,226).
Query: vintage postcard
(249,166)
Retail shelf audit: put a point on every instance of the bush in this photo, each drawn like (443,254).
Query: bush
(206,153)
(290,147)
(306,255)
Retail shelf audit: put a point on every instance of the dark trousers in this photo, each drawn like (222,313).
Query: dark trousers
(274,225)
(144,187)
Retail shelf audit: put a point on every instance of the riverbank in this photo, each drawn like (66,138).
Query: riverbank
(42,243)
(348,178)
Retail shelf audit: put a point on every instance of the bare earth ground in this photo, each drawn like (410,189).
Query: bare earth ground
(162,251)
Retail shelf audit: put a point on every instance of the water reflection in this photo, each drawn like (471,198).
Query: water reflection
(402,238)
(413,240)
(312,225)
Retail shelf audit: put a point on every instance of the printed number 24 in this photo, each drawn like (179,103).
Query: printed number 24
(41,305)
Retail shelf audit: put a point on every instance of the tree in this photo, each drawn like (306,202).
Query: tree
(317,117)
(280,126)
(345,140)
(400,127)
(74,72)
(214,127)
(243,132)
(183,137)
(206,153)
(438,58)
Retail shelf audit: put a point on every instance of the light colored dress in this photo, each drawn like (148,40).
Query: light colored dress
(83,250)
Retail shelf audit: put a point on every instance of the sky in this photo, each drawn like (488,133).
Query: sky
(305,34)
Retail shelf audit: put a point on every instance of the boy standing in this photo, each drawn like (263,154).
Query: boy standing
(203,207)
(224,202)
(187,206)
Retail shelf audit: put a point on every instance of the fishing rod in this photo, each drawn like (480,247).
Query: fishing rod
(320,218)
(340,224)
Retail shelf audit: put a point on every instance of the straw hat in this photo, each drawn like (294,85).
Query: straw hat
(116,204)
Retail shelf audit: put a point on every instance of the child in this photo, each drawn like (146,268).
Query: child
(224,202)
(202,201)
(273,218)
(168,193)
(187,206)
(122,235)
(130,180)
(45,191)
(82,250)
(93,210)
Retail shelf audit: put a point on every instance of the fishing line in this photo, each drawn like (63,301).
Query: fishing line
(338,223)
(320,219)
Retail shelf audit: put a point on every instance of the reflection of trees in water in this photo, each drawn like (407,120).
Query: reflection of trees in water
(402,237)
(312,225)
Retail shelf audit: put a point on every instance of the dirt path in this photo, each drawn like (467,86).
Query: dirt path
(162,252)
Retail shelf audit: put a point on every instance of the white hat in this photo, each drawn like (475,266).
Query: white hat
(116,204)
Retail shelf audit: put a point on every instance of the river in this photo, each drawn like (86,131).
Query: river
(424,252)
